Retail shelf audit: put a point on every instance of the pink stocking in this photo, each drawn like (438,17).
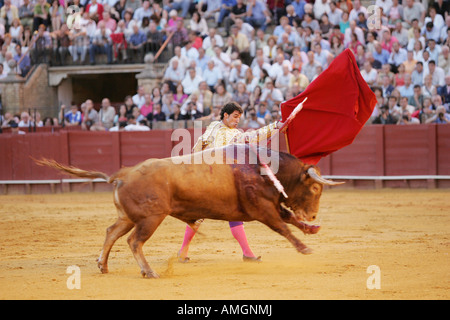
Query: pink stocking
(188,235)
(238,233)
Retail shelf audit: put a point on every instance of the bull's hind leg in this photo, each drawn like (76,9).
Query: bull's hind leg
(143,231)
(114,232)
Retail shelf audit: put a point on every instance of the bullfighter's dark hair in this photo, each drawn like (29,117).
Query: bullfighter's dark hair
(229,108)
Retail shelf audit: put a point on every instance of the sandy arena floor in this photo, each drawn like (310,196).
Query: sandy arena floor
(406,233)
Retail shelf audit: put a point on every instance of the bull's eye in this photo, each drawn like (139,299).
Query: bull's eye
(315,188)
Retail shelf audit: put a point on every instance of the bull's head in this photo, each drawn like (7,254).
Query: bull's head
(304,197)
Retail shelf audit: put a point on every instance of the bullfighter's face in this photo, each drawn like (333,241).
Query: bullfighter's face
(231,120)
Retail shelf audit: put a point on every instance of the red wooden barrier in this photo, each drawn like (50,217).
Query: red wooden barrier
(376,151)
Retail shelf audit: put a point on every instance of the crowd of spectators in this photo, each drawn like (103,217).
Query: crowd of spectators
(256,52)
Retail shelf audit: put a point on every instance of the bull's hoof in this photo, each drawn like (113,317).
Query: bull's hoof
(102,267)
(149,274)
(251,259)
(103,270)
(305,250)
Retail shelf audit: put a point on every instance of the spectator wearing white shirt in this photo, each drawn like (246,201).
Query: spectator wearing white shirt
(283,80)
(444,33)
(277,67)
(369,74)
(353,28)
(244,28)
(309,69)
(444,60)
(335,14)
(418,74)
(260,66)
(425,60)
(183,61)
(270,94)
(25,120)
(202,59)
(139,97)
(222,61)
(189,52)
(320,55)
(144,11)
(430,31)
(357,8)
(437,19)
(320,7)
(398,55)
(412,10)
(433,49)
(385,4)
(207,42)
(237,73)
(401,34)
(191,81)
(437,74)
(407,90)
(174,73)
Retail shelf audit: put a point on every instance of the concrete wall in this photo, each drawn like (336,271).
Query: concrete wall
(20,94)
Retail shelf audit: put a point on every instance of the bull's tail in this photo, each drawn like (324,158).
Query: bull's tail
(77,172)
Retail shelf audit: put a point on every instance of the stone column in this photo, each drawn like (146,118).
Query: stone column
(12,91)
(152,75)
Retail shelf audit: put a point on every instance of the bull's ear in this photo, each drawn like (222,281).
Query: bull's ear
(303,176)
(318,178)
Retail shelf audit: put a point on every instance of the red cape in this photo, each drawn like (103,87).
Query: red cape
(339,104)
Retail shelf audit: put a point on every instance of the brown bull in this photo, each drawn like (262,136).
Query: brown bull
(150,191)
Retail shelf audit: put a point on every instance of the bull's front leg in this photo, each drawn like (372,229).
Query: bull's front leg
(272,219)
(283,229)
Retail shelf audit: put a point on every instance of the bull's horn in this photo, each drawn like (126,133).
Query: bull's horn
(316,176)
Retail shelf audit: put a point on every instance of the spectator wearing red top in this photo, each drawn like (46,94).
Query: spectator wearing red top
(95,10)
(147,107)
(195,40)
(388,41)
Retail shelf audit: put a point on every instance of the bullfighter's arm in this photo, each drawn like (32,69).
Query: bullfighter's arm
(257,136)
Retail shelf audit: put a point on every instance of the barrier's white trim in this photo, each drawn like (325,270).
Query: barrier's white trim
(416,177)
(50,181)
